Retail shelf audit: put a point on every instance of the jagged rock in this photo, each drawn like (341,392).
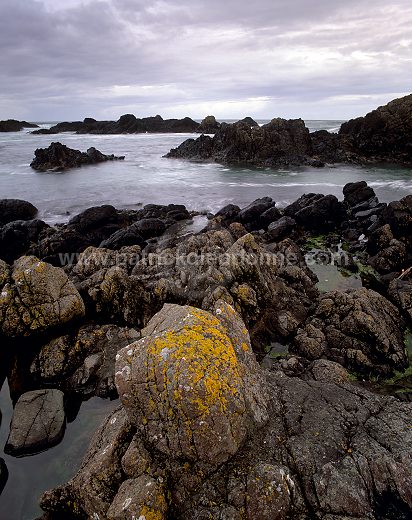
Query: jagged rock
(11,125)
(183,410)
(228,213)
(398,215)
(36,297)
(16,238)
(93,488)
(249,121)
(38,422)
(357,192)
(126,124)
(14,209)
(281,228)
(209,125)
(328,449)
(277,143)
(83,362)
(384,134)
(59,157)
(357,328)
(327,147)
(390,259)
(400,291)
(316,212)
(250,216)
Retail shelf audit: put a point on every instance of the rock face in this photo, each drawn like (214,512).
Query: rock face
(4,475)
(38,422)
(59,157)
(318,446)
(209,125)
(279,142)
(382,135)
(14,209)
(11,125)
(357,328)
(35,297)
(83,362)
(183,409)
(127,124)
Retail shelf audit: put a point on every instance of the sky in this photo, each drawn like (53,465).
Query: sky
(70,59)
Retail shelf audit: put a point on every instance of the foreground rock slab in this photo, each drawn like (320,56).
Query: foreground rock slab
(38,422)
(60,157)
(319,447)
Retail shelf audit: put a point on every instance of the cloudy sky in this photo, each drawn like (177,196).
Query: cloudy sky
(316,59)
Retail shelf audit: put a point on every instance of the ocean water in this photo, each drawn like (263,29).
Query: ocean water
(146,177)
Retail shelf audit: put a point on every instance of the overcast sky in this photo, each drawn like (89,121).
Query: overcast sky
(68,59)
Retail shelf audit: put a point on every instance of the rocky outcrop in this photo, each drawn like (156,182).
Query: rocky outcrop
(11,125)
(126,124)
(18,237)
(209,125)
(249,121)
(38,422)
(59,157)
(83,362)
(277,143)
(382,135)
(14,209)
(35,297)
(357,328)
(179,447)
(316,212)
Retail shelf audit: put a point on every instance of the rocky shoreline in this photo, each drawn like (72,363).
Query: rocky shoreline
(183,328)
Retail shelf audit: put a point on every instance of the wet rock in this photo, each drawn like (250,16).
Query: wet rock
(94,218)
(14,209)
(18,237)
(38,422)
(357,328)
(209,125)
(59,157)
(36,297)
(251,216)
(83,362)
(281,229)
(129,236)
(150,227)
(392,258)
(357,192)
(317,212)
(193,415)
(11,125)
(229,213)
(398,215)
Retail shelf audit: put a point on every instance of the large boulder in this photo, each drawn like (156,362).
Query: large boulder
(14,209)
(83,362)
(384,134)
(317,212)
(38,422)
(59,157)
(18,237)
(35,297)
(201,395)
(357,192)
(358,328)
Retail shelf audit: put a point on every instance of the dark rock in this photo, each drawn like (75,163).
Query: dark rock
(357,192)
(398,214)
(16,238)
(4,475)
(229,213)
(93,218)
(270,215)
(281,229)
(392,258)
(327,147)
(400,292)
(251,215)
(59,157)
(14,209)
(367,213)
(385,134)
(277,143)
(249,121)
(150,227)
(357,328)
(38,422)
(60,246)
(83,362)
(11,125)
(209,125)
(317,212)
(129,236)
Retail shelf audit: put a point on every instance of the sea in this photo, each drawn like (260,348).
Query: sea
(145,176)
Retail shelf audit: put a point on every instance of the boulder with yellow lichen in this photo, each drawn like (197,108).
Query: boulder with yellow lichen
(35,297)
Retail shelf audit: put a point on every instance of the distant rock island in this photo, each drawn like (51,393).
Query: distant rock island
(12,125)
(382,136)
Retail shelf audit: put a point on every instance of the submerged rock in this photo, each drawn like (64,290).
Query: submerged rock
(318,447)
(357,328)
(38,422)
(35,297)
(59,157)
